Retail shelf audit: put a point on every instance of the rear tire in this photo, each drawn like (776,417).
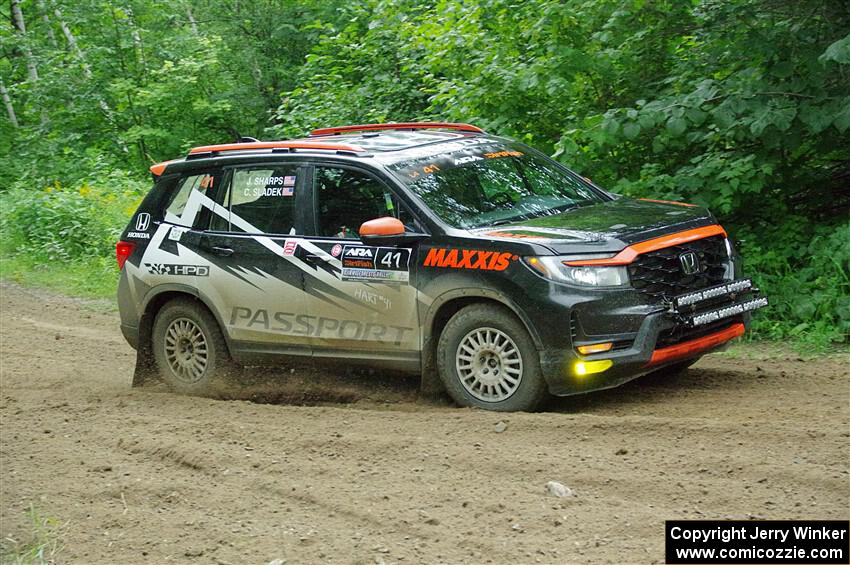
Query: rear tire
(189,348)
(486,359)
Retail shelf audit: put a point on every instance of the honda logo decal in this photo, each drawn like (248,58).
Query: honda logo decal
(689,262)
(143,221)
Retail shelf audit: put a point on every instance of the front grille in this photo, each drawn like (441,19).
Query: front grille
(573,326)
(659,273)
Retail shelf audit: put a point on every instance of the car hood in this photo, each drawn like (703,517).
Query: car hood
(602,228)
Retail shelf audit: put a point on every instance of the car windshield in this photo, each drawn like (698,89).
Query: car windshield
(486,185)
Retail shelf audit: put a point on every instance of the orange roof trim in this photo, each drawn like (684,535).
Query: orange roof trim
(399,125)
(276,145)
(159,168)
(631,252)
(668,202)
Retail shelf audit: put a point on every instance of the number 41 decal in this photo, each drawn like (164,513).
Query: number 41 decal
(392,260)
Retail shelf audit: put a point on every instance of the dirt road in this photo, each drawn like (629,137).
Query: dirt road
(369,473)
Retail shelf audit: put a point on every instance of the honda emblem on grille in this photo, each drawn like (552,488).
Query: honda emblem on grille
(689,262)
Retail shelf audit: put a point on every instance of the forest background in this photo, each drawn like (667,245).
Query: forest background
(739,105)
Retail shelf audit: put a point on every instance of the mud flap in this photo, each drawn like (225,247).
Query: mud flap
(145,371)
(430,384)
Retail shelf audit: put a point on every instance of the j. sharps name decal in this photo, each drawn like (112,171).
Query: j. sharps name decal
(469,259)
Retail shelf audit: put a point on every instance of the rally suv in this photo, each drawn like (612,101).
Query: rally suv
(426,247)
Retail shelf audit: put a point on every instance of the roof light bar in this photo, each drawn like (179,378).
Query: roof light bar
(275,145)
(399,125)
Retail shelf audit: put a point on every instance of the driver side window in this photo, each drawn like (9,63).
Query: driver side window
(347,198)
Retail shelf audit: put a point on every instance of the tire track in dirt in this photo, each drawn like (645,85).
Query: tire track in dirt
(366,472)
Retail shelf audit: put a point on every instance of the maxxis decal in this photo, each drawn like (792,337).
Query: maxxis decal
(469,259)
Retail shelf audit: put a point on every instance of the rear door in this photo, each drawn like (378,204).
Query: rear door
(363,298)
(258,283)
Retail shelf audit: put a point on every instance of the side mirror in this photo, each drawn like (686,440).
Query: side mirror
(388,231)
(382,226)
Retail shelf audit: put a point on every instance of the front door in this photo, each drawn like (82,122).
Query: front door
(362,298)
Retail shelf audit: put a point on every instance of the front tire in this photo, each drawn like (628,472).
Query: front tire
(486,359)
(189,348)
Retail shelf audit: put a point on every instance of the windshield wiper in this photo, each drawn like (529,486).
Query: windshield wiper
(499,222)
(553,211)
(528,216)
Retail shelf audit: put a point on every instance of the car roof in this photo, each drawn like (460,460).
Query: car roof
(393,142)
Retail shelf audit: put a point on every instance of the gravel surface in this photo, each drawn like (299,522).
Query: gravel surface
(320,465)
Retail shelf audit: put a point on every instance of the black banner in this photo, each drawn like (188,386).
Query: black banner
(745,542)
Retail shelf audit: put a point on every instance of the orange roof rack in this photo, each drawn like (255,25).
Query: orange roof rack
(275,145)
(399,125)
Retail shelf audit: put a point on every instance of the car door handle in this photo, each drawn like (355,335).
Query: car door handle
(223,251)
(311,257)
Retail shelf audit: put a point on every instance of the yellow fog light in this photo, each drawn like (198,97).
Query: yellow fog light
(589,367)
(595,348)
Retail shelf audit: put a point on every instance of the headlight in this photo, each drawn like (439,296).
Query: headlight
(553,268)
(729,271)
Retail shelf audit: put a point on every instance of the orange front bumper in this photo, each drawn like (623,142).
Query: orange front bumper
(694,346)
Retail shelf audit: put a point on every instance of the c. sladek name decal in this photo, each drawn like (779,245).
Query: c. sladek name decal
(469,259)
(291,323)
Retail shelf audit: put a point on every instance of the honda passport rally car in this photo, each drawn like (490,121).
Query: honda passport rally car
(426,247)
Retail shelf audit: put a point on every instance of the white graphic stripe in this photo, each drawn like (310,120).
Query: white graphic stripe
(198,200)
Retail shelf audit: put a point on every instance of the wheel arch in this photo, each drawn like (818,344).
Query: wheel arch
(155,300)
(447,304)
(151,305)
(442,309)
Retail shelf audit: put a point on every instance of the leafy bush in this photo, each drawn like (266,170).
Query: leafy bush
(808,283)
(66,223)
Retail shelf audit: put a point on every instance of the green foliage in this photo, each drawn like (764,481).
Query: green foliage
(742,106)
(808,282)
(90,277)
(45,542)
(57,223)
(149,79)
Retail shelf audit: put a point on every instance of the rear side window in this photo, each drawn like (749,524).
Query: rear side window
(180,197)
(260,200)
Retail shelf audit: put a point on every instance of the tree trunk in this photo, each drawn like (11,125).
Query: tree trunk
(72,43)
(8,102)
(192,21)
(78,53)
(48,26)
(18,20)
(139,47)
